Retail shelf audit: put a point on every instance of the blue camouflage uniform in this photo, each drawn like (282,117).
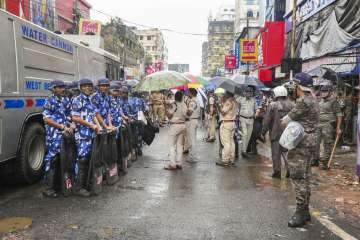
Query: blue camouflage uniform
(125,106)
(102,103)
(57,109)
(83,107)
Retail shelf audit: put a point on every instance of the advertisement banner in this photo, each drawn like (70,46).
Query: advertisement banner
(42,13)
(89,26)
(230,62)
(237,54)
(248,50)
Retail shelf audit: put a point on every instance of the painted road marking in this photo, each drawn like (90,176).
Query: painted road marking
(332,226)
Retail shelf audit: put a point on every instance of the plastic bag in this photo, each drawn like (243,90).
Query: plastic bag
(293,134)
(141,117)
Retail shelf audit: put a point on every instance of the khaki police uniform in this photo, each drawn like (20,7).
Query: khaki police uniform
(177,132)
(247,116)
(158,107)
(211,118)
(192,125)
(227,130)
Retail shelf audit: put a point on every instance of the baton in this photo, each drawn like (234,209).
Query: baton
(333,150)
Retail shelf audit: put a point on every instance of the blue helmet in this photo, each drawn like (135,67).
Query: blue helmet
(57,83)
(73,84)
(85,81)
(115,86)
(103,81)
(305,81)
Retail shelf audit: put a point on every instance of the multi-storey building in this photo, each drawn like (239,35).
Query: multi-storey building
(247,13)
(226,13)
(153,42)
(220,43)
(205,49)
(179,67)
(69,13)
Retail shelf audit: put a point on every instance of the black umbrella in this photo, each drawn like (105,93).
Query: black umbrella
(218,80)
(246,80)
(324,73)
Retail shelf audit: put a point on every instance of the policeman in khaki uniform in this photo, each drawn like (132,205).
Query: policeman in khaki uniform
(275,112)
(247,108)
(157,105)
(193,112)
(306,113)
(330,123)
(56,116)
(177,114)
(211,113)
(228,111)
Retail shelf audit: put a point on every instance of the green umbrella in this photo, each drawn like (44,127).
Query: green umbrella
(162,80)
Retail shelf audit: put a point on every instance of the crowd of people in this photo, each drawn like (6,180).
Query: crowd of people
(108,124)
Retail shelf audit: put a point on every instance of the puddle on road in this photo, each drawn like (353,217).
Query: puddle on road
(14,224)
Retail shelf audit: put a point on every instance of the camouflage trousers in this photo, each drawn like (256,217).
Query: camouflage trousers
(299,160)
(325,134)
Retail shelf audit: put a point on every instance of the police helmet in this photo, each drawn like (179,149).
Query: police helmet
(326,86)
(305,81)
(115,86)
(85,81)
(57,83)
(103,81)
(280,92)
(124,89)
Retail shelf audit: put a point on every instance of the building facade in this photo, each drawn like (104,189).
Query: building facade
(205,49)
(226,13)
(179,67)
(153,42)
(69,13)
(220,43)
(247,12)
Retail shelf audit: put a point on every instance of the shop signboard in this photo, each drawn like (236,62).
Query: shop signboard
(89,26)
(248,50)
(237,54)
(230,62)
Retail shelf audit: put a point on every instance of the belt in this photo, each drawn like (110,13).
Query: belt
(247,117)
(310,132)
(194,118)
(177,122)
(228,121)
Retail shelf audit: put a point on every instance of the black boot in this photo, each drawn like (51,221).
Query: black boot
(50,182)
(287,174)
(307,214)
(276,174)
(298,219)
(81,179)
(315,162)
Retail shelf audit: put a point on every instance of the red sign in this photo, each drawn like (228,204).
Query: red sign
(248,50)
(230,62)
(89,26)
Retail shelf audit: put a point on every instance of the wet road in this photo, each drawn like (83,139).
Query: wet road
(203,201)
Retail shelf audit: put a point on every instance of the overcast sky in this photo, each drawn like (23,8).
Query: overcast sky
(180,15)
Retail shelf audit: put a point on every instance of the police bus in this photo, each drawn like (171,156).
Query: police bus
(30,57)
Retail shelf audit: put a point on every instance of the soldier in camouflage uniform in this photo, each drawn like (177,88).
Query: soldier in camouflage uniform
(306,112)
(330,115)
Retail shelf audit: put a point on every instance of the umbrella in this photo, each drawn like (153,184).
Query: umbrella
(323,73)
(246,80)
(230,86)
(219,91)
(162,80)
(132,82)
(217,80)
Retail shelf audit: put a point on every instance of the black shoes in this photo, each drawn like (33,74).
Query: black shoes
(299,219)
(315,162)
(276,174)
(244,155)
(221,163)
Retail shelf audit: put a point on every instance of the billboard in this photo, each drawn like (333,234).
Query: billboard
(248,50)
(42,13)
(230,62)
(89,26)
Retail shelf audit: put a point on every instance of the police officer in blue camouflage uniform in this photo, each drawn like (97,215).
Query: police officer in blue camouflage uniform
(102,101)
(124,101)
(137,104)
(56,113)
(84,116)
(115,106)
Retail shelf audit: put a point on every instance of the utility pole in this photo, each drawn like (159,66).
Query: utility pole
(293,37)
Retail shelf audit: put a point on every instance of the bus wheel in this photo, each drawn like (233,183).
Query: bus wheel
(29,164)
